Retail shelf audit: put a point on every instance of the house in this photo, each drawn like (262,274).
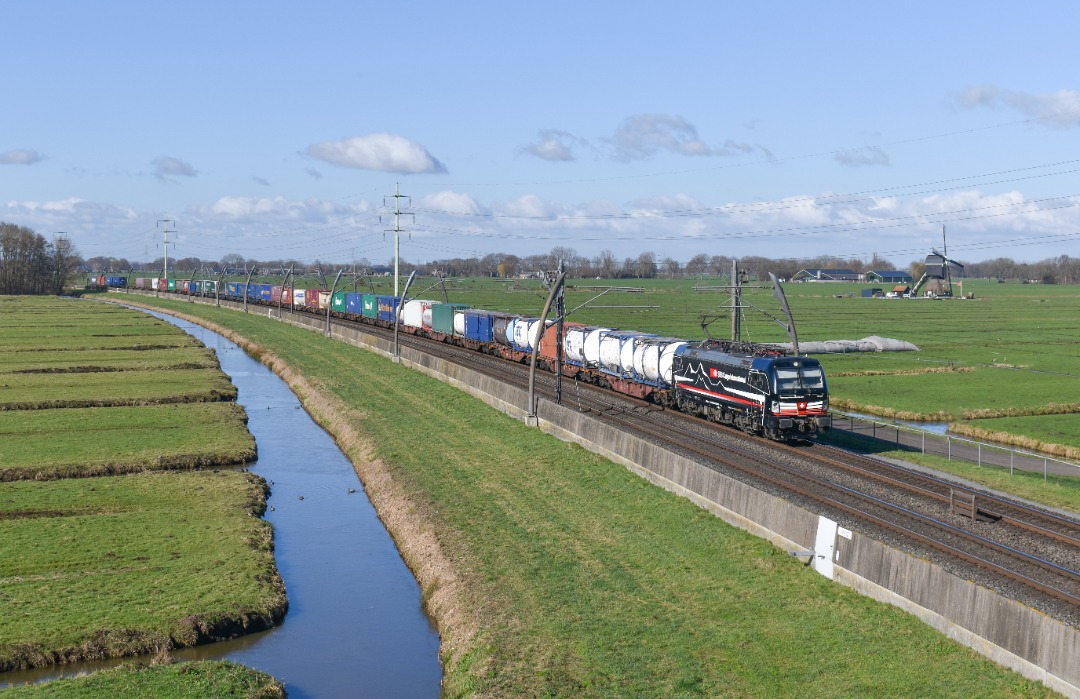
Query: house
(876,276)
(826,275)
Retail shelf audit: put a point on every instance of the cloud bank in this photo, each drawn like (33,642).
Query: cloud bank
(383,152)
(1059,109)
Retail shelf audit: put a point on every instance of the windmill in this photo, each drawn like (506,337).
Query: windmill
(939,271)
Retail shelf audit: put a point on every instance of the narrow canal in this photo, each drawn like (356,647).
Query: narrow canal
(354,627)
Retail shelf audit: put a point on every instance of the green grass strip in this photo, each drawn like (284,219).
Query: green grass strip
(121,565)
(65,390)
(198,680)
(584,580)
(76,442)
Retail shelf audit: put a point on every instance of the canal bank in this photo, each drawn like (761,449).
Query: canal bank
(355,626)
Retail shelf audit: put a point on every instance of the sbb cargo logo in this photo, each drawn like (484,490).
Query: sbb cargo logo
(714,373)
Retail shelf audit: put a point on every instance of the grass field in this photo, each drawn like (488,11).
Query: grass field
(67,442)
(203,680)
(112,566)
(580,579)
(131,564)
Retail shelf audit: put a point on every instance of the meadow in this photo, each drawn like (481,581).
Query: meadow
(573,577)
(106,566)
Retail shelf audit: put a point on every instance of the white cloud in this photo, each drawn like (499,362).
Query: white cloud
(643,135)
(379,151)
(20,156)
(1059,109)
(555,145)
(165,167)
(858,157)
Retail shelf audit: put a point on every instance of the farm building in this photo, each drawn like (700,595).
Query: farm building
(826,275)
(876,276)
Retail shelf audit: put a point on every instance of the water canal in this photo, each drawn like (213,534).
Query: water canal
(354,627)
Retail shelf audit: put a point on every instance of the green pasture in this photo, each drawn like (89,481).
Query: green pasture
(587,581)
(58,390)
(84,361)
(200,680)
(122,565)
(130,564)
(62,443)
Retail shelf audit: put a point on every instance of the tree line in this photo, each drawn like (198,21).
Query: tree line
(30,264)
(646,265)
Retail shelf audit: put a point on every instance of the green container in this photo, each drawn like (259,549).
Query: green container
(369,306)
(172,285)
(442,316)
(337,302)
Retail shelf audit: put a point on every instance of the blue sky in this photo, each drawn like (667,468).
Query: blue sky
(280,129)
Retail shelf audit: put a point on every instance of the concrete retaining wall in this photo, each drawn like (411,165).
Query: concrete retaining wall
(1010,633)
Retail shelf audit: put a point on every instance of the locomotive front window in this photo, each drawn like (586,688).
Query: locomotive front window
(791,380)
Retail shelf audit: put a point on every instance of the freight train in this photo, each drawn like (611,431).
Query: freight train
(755,388)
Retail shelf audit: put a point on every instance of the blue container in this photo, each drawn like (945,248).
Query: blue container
(387,307)
(354,303)
(479,325)
(121,282)
(263,292)
(233,290)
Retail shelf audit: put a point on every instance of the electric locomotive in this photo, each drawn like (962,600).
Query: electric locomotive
(755,388)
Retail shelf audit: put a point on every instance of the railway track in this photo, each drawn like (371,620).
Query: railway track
(1025,552)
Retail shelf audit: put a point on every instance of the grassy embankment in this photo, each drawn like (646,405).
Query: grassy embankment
(219,680)
(121,565)
(564,575)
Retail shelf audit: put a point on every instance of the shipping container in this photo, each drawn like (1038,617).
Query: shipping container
(502,328)
(442,316)
(549,341)
(337,303)
(354,303)
(311,299)
(369,306)
(324,300)
(653,359)
(479,325)
(617,351)
(140,283)
(183,286)
(388,306)
(298,296)
(170,285)
(416,313)
(459,322)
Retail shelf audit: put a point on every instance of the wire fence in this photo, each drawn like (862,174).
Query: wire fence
(953,447)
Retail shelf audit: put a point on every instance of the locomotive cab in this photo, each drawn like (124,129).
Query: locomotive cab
(799,398)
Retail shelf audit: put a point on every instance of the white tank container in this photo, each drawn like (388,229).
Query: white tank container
(521,332)
(653,358)
(626,352)
(574,345)
(425,317)
(459,323)
(611,351)
(592,346)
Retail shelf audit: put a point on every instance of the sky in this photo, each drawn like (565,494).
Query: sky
(283,130)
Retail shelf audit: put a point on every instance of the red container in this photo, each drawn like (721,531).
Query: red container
(275,295)
(549,340)
(311,299)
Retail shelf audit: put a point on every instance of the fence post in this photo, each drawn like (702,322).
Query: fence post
(1012,457)
(924,442)
(980,454)
(948,439)
(1044,469)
